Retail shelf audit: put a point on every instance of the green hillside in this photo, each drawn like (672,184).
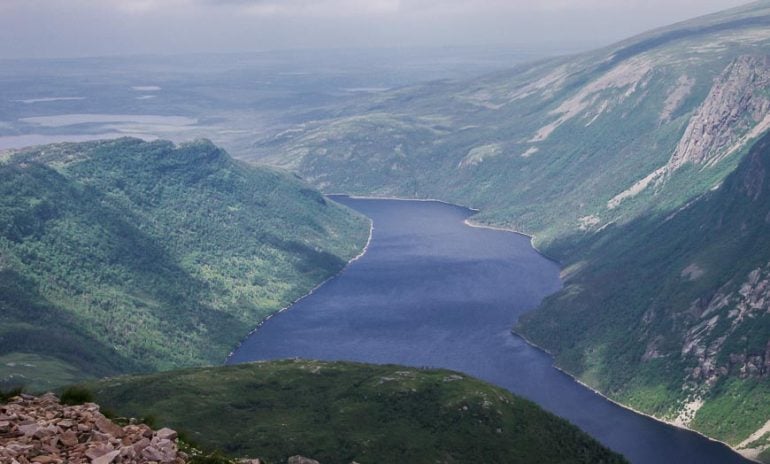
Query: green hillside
(558,146)
(342,412)
(123,256)
(613,161)
(674,310)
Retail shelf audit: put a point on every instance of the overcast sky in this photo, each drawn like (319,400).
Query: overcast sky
(59,28)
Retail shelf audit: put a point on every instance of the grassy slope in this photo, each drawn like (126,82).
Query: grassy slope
(464,142)
(340,412)
(124,255)
(623,323)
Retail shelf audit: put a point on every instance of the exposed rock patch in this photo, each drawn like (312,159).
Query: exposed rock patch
(678,94)
(688,412)
(599,96)
(693,272)
(477,155)
(530,151)
(750,300)
(301,460)
(748,448)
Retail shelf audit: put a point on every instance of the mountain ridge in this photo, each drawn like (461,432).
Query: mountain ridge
(145,255)
(708,303)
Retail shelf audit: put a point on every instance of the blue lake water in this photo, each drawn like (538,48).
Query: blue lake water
(433,292)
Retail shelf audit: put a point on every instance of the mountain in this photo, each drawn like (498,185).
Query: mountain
(123,256)
(560,146)
(673,314)
(633,165)
(342,412)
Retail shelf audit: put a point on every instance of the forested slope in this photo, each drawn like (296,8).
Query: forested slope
(126,255)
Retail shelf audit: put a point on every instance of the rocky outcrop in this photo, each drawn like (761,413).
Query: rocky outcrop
(301,460)
(736,110)
(750,301)
(41,430)
(737,105)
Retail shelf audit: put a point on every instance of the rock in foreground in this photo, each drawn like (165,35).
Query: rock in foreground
(44,431)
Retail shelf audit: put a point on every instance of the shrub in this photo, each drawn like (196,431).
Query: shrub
(76,395)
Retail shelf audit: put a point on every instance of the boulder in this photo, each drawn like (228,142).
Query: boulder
(106,458)
(166,434)
(301,460)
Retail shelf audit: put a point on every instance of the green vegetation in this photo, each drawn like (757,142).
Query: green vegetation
(540,148)
(557,149)
(6,395)
(673,308)
(718,419)
(38,373)
(339,412)
(76,395)
(123,256)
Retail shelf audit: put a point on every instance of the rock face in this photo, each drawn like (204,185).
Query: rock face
(42,430)
(750,301)
(301,460)
(736,108)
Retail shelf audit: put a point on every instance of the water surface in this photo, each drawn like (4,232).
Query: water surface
(431,291)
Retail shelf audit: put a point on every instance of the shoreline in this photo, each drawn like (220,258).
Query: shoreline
(309,293)
(624,406)
(369,197)
(468,222)
(476,225)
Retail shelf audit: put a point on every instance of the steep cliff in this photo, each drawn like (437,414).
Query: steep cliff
(735,112)
(672,315)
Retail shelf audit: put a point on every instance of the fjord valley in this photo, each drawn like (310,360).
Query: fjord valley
(137,266)
(432,291)
(640,167)
(126,255)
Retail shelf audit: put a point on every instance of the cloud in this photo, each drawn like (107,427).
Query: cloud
(323,8)
(347,8)
(92,27)
(320,8)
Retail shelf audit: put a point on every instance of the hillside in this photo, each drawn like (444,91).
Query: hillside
(342,412)
(124,256)
(559,146)
(613,160)
(672,315)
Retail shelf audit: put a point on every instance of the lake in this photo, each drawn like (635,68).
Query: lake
(432,292)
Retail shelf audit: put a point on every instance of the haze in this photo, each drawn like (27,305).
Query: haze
(73,28)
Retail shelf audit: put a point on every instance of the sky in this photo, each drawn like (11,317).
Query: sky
(73,28)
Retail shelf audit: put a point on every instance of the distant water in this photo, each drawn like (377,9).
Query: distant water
(434,292)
